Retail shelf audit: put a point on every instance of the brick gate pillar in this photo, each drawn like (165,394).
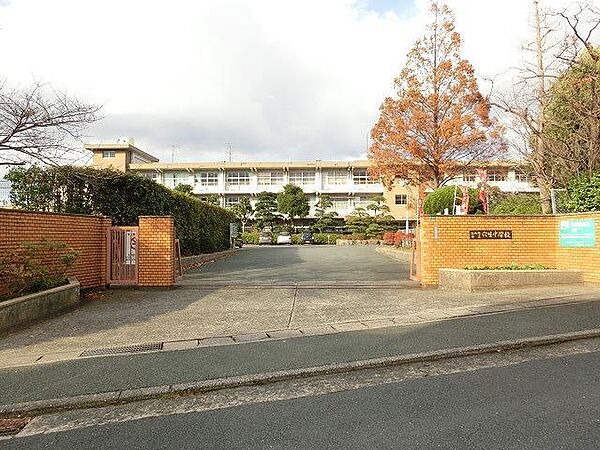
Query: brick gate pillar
(156,244)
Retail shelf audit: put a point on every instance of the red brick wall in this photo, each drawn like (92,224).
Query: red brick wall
(156,243)
(444,243)
(86,234)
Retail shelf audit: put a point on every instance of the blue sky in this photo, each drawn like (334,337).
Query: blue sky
(400,7)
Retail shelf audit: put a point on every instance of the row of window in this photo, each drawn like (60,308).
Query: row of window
(300,178)
(339,203)
(266,178)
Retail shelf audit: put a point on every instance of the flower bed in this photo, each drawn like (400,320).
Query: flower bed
(21,311)
(494,279)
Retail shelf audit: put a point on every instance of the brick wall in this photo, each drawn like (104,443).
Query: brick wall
(445,243)
(86,234)
(587,259)
(156,243)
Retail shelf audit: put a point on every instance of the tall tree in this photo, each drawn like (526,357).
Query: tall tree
(243,212)
(293,202)
(265,212)
(439,123)
(39,124)
(324,217)
(557,42)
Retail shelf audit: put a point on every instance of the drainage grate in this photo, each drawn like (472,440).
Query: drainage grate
(124,349)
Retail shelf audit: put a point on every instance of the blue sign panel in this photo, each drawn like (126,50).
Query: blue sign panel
(577,233)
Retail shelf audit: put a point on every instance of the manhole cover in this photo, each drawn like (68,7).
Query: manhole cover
(124,349)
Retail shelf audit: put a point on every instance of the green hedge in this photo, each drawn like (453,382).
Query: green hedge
(583,194)
(516,205)
(200,227)
(250,237)
(443,198)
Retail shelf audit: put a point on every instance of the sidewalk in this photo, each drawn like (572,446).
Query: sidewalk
(114,374)
(131,317)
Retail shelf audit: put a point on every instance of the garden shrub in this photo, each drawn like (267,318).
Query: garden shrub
(389,237)
(403,239)
(517,205)
(443,198)
(326,238)
(200,226)
(250,237)
(35,267)
(584,194)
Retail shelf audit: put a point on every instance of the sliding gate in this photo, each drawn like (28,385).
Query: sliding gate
(122,255)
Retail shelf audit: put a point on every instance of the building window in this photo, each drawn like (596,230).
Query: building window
(401,199)
(108,153)
(238,178)
(340,203)
(469,177)
(301,178)
(336,177)
(232,200)
(152,175)
(522,177)
(207,178)
(172,179)
(362,177)
(274,178)
(496,175)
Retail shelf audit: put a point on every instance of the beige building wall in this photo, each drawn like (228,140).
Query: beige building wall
(404,211)
(119,162)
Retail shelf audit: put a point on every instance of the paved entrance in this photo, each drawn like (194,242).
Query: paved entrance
(260,293)
(302,264)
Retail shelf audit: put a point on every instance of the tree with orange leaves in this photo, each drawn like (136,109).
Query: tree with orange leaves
(439,124)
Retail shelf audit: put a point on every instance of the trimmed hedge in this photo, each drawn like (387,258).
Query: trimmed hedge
(200,226)
(443,198)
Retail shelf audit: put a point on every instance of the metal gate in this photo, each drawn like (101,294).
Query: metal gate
(122,255)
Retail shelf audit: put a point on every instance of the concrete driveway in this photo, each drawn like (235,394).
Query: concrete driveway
(302,264)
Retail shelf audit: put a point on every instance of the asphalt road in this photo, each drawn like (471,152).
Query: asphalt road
(548,403)
(307,263)
(105,374)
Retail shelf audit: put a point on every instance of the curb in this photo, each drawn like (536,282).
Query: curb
(39,407)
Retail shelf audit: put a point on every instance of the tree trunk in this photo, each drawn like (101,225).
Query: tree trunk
(545,195)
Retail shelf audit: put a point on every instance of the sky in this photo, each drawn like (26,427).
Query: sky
(272,79)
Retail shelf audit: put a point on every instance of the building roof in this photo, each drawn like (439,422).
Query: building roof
(121,146)
(253,165)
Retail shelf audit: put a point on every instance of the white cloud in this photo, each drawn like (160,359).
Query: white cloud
(278,79)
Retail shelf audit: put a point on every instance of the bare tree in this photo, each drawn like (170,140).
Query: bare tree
(40,124)
(559,37)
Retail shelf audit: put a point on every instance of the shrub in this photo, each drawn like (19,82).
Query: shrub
(296,239)
(200,226)
(250,237)
(326,238)
(440,199)
(584,194)
(403,239)
(389,237)
(511,266)
(36,266)
(517,204)
(354,237)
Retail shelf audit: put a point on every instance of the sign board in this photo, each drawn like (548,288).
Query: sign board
(577,233)
(233,230)
(490,234)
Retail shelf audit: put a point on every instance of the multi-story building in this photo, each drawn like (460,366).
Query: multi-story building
(4,193)
(347,183)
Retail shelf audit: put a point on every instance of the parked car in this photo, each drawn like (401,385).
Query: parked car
(238,243)
(265,238)
(307,238)
(284,238)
